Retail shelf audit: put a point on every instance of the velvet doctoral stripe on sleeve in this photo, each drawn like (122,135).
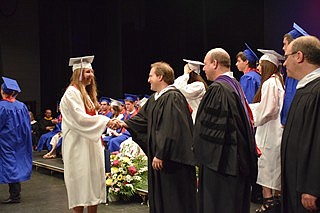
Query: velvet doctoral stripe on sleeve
(223,140)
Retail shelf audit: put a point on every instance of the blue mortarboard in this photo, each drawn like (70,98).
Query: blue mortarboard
(297,31)
(250,55)
(105,99)
(130,97)
(9,85)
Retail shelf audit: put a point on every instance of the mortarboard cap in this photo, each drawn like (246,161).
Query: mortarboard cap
(143,101)
(115,102)
(81,62)
(105,99)
(130,97)
(271,56)
(194,65)
(9,85)
(250,55)
(121,101)
(297,31)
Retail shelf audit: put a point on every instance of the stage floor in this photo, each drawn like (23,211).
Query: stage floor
(54,165)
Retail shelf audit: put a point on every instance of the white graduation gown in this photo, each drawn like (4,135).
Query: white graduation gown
(192,92)
(266,116)
(82,151)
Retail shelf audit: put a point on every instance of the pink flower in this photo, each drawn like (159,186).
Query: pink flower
(115,153)
(116,163)
(132,170)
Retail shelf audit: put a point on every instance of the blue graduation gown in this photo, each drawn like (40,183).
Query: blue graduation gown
(290,91)
(250,83)
(15,142)
(46,138)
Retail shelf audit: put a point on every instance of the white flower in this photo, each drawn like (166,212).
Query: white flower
(137,178)
(129,178)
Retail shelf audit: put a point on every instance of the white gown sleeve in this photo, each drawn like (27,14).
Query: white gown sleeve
(190,91)
(76,119)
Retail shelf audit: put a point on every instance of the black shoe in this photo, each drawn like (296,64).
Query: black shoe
(257,199)
(10,201)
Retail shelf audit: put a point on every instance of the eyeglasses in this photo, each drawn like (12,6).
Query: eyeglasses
(286,56)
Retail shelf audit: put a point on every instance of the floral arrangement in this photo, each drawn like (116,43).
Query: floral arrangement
(128,173)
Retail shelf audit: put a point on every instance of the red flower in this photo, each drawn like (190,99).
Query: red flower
(132,170)
(116,163)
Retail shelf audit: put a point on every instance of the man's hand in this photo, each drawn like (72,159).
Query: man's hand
(309,202)
(157,164)
(116,124)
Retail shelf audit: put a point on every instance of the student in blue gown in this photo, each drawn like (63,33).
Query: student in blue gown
(105,108)
(250,81)
(15,140)
(290,83)
(116,140)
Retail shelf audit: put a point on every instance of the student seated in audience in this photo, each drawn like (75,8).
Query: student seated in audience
(110,133)
(54,144)
(114,142)
(105,108)
(141,102)
(35,130)
(47,123)
(45,139)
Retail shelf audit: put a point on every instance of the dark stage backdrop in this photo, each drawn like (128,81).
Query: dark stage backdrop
(280,15)
(127,36)
(37,37)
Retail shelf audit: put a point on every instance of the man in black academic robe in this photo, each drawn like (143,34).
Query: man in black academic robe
(223,141)
(300,148)
(163,128)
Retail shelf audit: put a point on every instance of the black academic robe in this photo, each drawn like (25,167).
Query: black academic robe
(225,150)
(300,148)
(163,128)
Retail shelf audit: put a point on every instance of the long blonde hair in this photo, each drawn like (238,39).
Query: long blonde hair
(89,90)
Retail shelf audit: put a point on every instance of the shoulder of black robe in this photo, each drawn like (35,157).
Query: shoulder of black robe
(174,128)
(223,138)
(301,137)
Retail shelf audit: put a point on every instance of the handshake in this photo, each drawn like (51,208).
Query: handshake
(116,124)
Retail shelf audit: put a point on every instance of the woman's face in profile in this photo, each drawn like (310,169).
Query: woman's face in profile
(88,75)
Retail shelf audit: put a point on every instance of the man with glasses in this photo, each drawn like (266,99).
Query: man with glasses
(300,149)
